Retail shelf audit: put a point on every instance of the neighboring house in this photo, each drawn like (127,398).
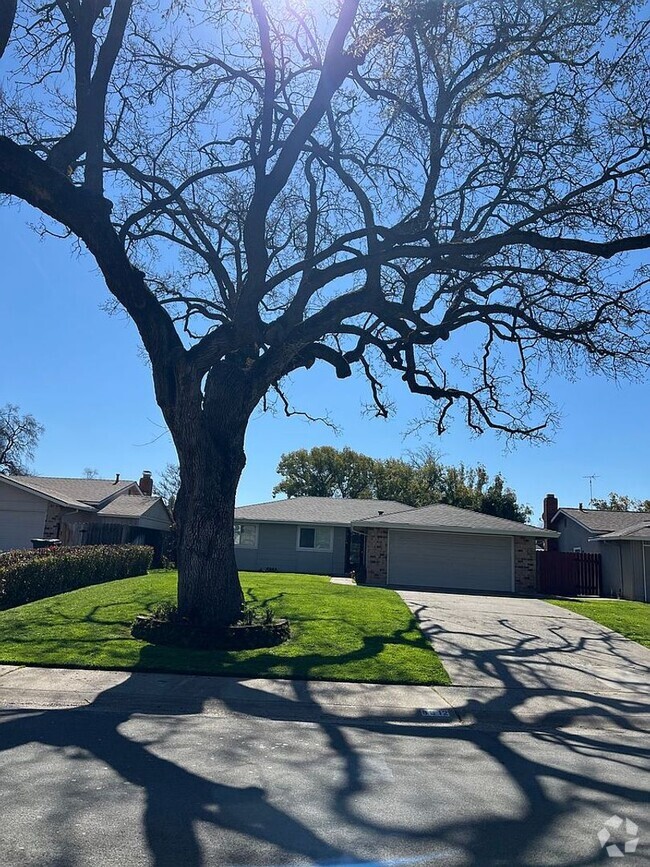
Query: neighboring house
(80,511)
(621,538)
(438,546)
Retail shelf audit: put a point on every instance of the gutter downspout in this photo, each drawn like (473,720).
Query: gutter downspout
(645,574)
(620,566)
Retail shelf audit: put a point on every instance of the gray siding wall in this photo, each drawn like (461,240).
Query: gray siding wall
(276,549)
(633,570)
(575,536)
(156,518)
(22,517)
(611,556)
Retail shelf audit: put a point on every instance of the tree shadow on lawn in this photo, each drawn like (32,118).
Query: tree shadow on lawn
(83,649)
(178,800)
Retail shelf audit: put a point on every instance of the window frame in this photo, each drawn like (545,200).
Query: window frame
(315,528)
(246,524)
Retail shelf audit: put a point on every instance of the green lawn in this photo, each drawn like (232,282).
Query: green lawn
(339,632)
(631,619)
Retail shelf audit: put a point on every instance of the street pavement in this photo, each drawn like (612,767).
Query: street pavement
(111,768)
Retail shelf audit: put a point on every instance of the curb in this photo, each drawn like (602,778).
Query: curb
(275,710)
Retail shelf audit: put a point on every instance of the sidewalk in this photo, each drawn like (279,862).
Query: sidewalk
(27,688)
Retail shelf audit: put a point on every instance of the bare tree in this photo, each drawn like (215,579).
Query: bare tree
(168,484)
(436,191)
(90,473)
(19,436)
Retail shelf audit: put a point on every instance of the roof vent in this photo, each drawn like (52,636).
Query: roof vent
(581,507)
(380,512)
(117,479)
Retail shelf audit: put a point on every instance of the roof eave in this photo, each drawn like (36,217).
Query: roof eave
(99,504)
(52,498)
(293,521)
(151,504)
(533,532)
(573,518)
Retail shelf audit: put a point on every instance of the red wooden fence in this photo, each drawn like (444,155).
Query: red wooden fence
(562,573)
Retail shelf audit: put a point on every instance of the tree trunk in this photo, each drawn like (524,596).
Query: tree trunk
(210,444)
(209,592)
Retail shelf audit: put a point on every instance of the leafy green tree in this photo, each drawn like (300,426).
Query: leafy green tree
(327,472)
(395,479)
(620,503)
(501,501)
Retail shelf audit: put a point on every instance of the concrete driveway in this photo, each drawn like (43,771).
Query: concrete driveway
(495,641)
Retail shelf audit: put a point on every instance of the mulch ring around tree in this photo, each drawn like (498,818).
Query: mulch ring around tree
(182,633)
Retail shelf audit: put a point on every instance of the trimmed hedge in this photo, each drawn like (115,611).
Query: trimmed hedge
(29,575)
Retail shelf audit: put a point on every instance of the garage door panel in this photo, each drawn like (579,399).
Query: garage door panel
(450,560)
(18,528)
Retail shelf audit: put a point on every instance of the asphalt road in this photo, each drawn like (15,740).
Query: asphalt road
(96,787)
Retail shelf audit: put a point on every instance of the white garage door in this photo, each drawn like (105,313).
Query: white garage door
(17,529)
(454,561)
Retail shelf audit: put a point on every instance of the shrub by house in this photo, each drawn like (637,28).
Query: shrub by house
(29,575)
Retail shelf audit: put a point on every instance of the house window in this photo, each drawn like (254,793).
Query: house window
(315,538)
(246,535)
(577,550)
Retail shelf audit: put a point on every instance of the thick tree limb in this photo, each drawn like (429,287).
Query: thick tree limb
(7,17)
(87,215)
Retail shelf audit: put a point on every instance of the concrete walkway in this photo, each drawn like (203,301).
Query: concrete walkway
(137,693)
(146,692)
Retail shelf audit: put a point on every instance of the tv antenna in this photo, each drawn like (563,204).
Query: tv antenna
(591,486)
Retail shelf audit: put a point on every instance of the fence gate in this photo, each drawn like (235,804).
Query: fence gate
(565,573)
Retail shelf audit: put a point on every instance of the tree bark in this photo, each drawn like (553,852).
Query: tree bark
(209,592)
(209,435)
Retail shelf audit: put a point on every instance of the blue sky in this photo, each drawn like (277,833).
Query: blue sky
(80,371)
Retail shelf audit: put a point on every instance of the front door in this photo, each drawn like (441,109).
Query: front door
(355,552)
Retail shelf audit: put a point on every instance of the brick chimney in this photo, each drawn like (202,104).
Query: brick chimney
(551,506)
(146,483)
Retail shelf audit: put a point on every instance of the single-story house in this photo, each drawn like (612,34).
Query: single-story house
(437,546)
(80,511)
(621,538)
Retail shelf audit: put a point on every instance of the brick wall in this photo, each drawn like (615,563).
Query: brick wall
(525,565)
(377,555)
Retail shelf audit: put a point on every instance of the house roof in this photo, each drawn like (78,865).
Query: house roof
(128,506)
(603,521)
(72,492)
(639,532)
(365,513)
(441,517)
(316,510)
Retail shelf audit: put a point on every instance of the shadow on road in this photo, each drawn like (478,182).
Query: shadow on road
(177,799)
